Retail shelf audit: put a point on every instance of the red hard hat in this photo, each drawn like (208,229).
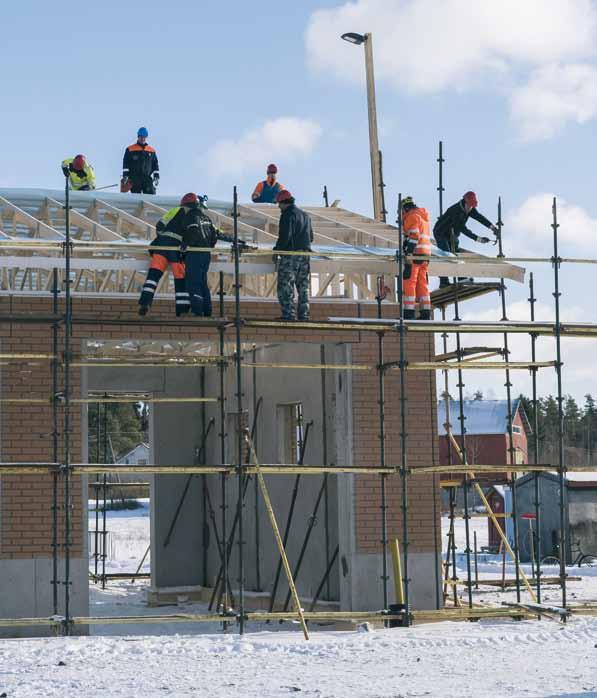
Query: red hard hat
(470,199)
(283,196)
(272,169)
(79,162)
(189,199)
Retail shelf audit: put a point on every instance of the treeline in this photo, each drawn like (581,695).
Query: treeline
(114,429)
(580,429)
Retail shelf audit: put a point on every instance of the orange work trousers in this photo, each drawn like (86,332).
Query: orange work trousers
(415,289)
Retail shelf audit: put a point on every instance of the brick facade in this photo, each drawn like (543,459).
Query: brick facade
(26,430)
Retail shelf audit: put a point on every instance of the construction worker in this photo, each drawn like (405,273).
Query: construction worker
(169,233)
(452,223)
(295,233)
(198,230)
(266,191)
(140,168)
(415,279)
(79,172)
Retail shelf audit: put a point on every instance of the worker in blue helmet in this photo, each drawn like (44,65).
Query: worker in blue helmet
(140,168)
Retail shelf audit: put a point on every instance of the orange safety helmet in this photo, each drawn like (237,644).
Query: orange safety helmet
(470,199)
(284,196)
(79,162)
(189,199)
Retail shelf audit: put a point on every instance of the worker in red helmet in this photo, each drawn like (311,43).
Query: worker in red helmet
(79,172)
(266,191)
(169,233)
(452,223)
(198,230)
(295,234)
(415,279)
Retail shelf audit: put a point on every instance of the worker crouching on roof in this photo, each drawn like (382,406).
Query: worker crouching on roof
(415,279)
(295,234)
(140,168)
(452,223)
(266,191)
(199,231)
(170,229)
(79,172)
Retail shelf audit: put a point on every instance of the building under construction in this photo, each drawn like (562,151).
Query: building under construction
(285,457)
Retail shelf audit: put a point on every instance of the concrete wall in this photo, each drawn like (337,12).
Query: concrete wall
(276,386)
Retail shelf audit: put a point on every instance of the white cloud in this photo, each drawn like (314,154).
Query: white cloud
(530,225)
(554,95)
(285,138)
(424,46)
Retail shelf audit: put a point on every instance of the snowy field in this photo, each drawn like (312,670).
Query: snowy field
(478,660)
(447,660)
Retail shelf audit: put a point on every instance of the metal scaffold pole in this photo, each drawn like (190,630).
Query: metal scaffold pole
(222,439)
(239,431)
(560,399)
(382,455)
(66,467)
(55,435)
(508,386)
(537,476)
(440,187)
(403,408)
(466,483)
(324,451)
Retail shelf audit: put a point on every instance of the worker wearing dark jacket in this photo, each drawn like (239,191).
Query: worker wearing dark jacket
(169,229)
(452,223)
(199,231)
(295,234)
(140,168)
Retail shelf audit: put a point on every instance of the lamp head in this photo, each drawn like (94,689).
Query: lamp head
(354,38)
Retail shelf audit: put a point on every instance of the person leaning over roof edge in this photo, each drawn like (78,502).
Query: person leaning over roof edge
(79,172)
(267,190)
(295,234)
(452,223)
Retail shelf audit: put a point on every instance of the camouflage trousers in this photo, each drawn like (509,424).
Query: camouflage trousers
(294,272)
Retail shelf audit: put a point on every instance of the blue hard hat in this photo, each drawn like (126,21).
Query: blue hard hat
(142,132)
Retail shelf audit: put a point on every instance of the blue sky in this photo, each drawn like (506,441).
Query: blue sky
(226,87)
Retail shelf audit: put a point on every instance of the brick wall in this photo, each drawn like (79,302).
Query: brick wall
(26,430)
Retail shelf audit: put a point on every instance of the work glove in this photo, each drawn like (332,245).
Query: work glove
(484,240)
(494,229)
(276,260)
(66,171)
(125,178)
(156,180)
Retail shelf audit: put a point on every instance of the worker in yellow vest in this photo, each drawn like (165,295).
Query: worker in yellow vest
(79,172)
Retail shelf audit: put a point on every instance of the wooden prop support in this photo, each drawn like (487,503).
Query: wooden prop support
(278,537)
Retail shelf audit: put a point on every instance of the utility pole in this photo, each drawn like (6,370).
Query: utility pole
(376,183)
(373,137)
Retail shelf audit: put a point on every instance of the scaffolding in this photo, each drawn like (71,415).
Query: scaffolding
(228,608)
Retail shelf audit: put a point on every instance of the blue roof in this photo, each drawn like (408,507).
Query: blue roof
(482,416)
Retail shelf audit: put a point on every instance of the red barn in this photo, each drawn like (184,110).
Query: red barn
(487,439)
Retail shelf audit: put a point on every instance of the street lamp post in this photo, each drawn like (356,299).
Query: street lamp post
(367,41)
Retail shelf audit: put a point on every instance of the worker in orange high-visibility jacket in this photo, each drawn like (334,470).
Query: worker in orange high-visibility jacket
(415,279)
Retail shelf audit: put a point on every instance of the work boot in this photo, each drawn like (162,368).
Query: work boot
(466,280)
(444,282)
(143,310)
(409,314)
(425,314)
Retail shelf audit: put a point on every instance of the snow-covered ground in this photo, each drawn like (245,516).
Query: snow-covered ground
(487,659)
(447,660)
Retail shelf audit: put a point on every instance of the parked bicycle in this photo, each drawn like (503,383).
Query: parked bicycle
(579,557)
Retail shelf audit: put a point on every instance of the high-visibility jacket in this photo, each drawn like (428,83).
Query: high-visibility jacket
(191,226)
(417,231)
(265,193)
(80,178)
(140,161)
